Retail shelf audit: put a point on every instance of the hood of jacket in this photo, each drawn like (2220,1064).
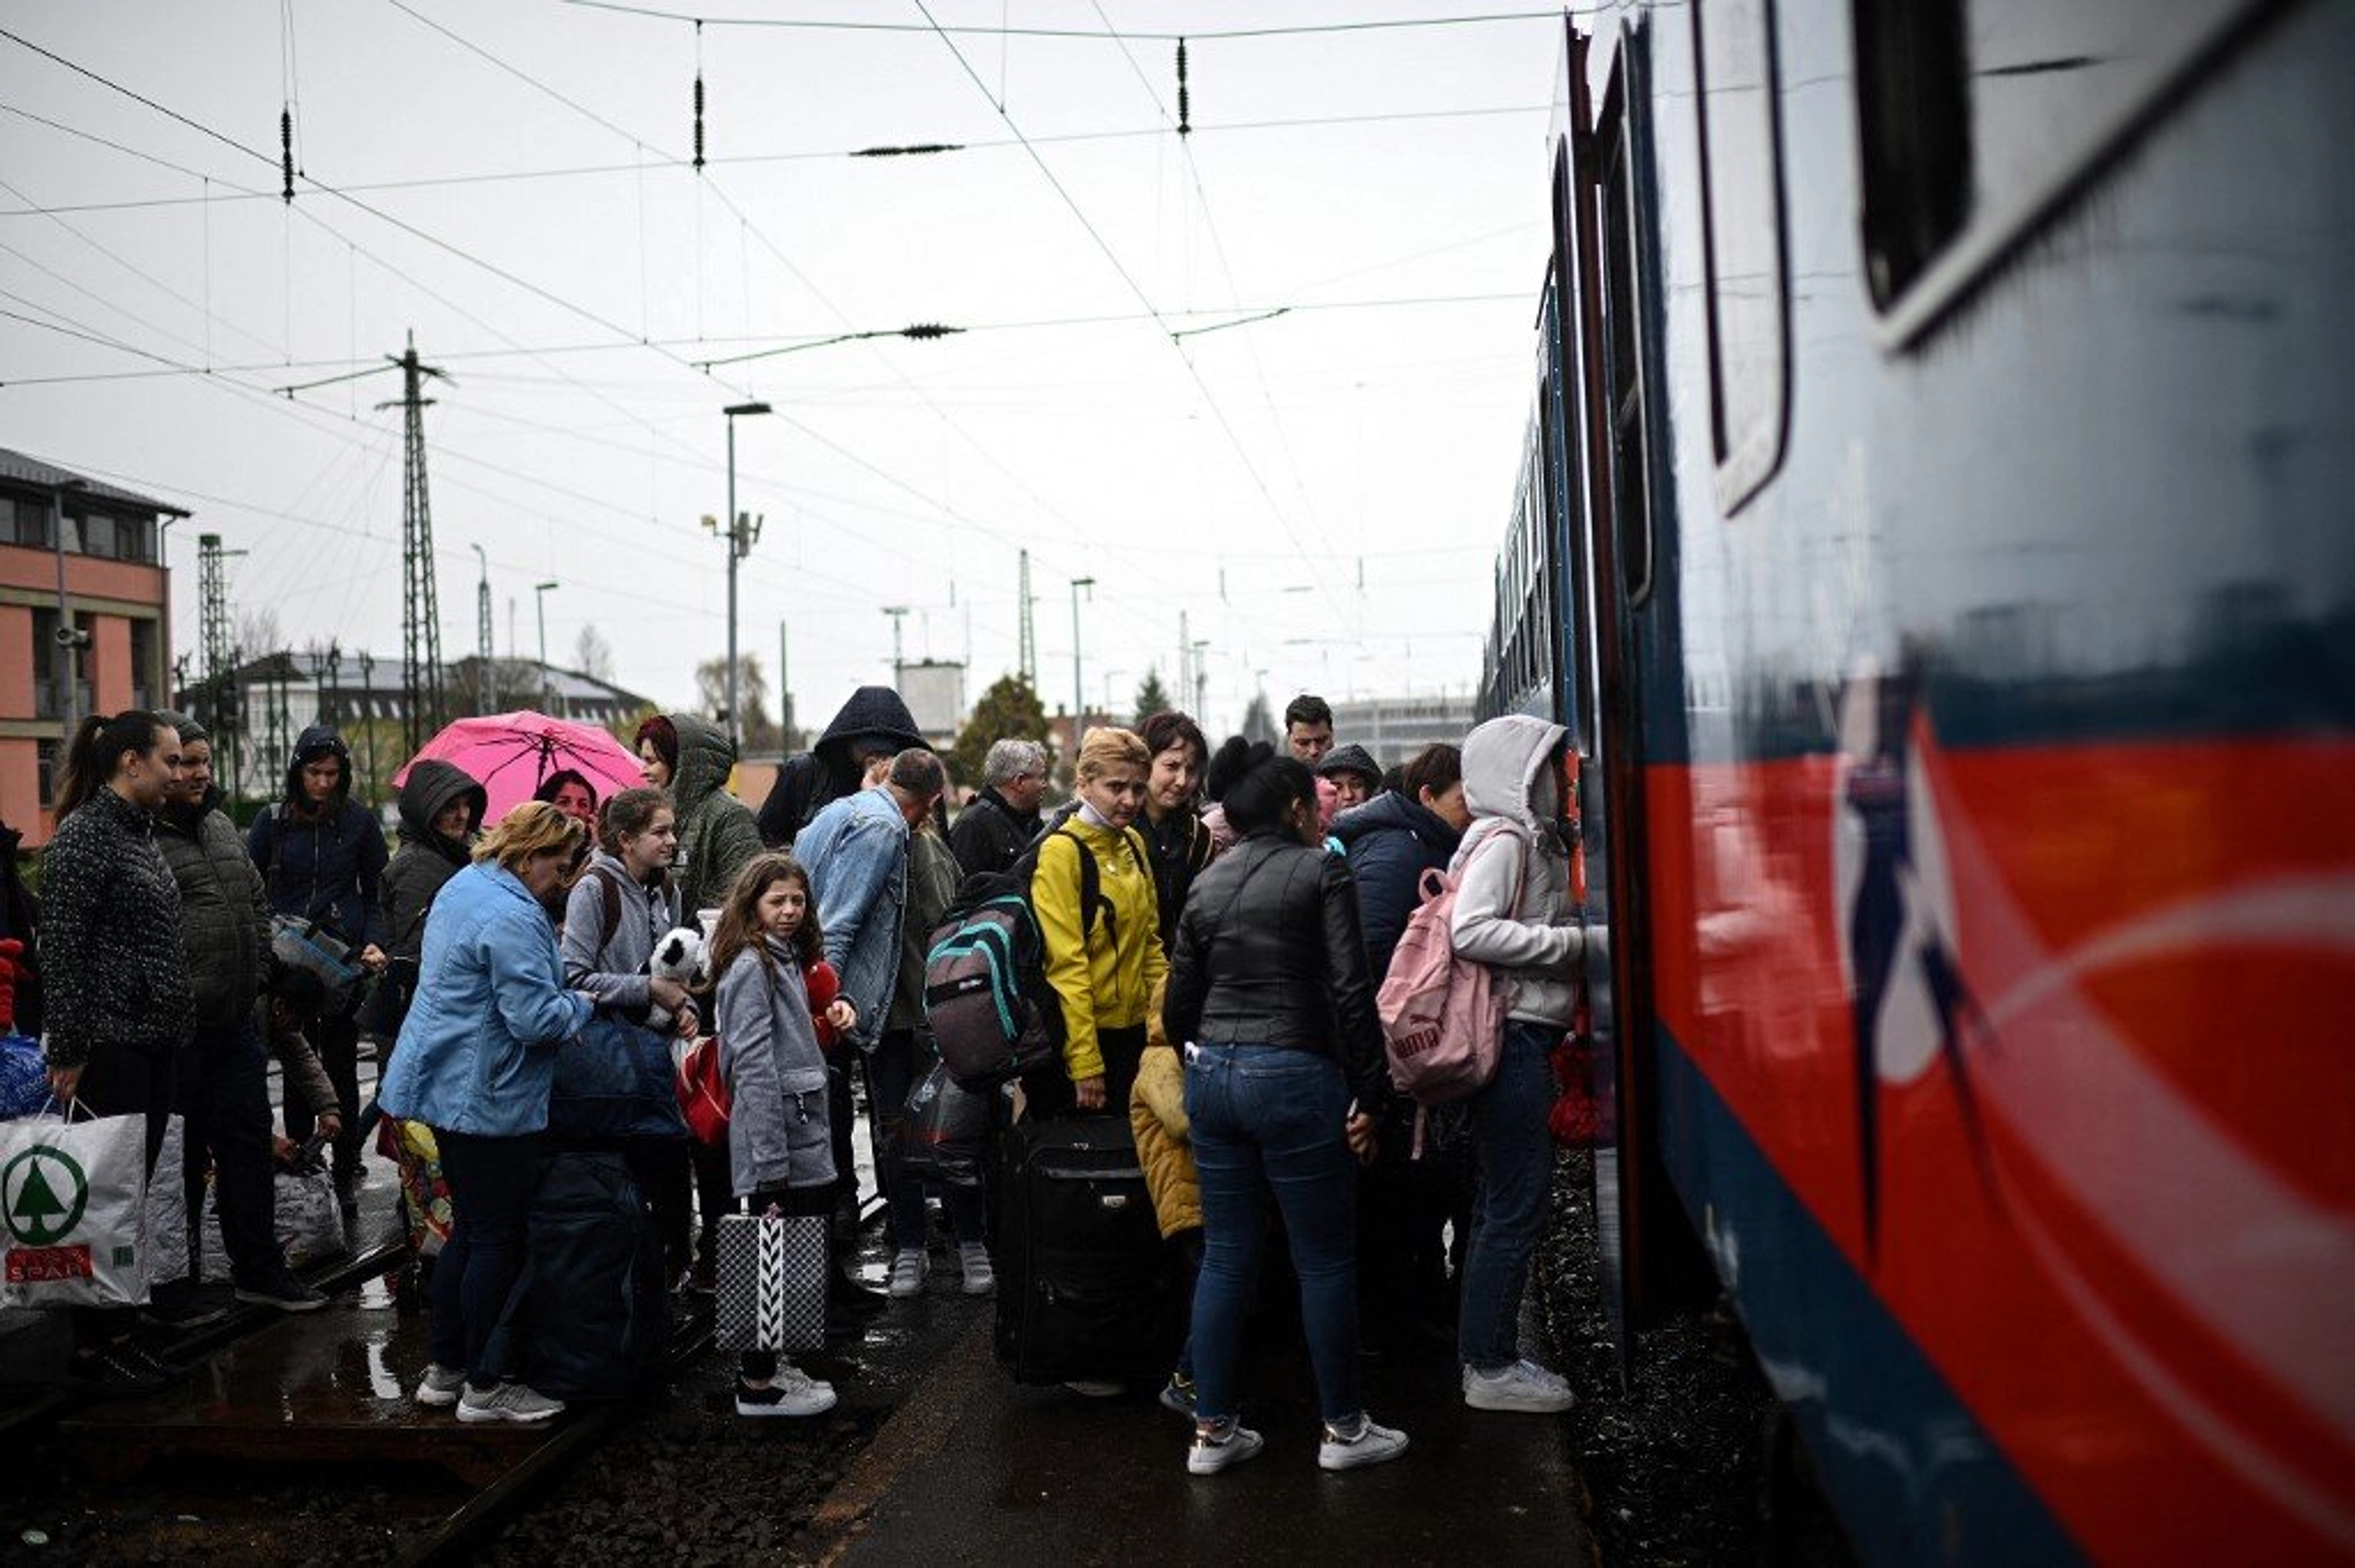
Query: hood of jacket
(871,710)
(1352,759)
(1390,809)
(431,785)
(706,759)
(1500,762)
(317,740)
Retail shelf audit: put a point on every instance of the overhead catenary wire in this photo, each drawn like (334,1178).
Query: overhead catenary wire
(1298,30)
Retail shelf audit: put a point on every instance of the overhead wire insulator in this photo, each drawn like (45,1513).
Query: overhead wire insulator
(286,149)
(698,163)
(1184,102)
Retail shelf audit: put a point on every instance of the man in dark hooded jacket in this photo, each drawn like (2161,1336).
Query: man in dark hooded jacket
(320,853)
(874,723)
(442,809)
(222,1086)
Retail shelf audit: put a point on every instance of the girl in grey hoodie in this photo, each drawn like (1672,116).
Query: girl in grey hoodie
(1513,913)
(780,1153)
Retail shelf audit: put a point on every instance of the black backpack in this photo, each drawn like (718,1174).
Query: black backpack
(987,996)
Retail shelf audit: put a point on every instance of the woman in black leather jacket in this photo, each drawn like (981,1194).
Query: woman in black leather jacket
(1271,992)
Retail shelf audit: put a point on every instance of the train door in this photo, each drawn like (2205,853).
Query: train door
(1609,542)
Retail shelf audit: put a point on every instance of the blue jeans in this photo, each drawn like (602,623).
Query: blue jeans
(1269,1119)
(223,1090)
(491,1182)
(1514,1155)
(894,1069)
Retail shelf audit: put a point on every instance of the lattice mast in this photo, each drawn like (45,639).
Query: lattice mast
(421,607)
(1026,654)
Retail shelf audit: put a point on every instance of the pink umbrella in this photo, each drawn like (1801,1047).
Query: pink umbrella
(511,754)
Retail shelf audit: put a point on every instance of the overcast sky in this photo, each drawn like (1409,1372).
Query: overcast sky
(566,268)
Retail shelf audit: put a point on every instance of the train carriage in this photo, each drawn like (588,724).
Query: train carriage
(1934,530)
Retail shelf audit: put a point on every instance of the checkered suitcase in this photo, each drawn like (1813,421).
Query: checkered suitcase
(772,1282)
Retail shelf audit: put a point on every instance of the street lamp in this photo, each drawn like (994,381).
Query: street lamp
(1078,686)
(540,597)
(740,542)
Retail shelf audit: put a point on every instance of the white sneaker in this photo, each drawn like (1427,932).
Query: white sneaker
(510,1400)
(441,1386)
(1372,1445)
(980,1277)
(791,1392)
(1209,1454)
(908,1271)
(1523,1385)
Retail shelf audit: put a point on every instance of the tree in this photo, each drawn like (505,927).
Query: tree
(256,633)
(1009,710)
(1150,698)
(592,655)
(754,731)
(1258,724)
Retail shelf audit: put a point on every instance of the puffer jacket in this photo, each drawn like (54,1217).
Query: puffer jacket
(1512,898)
(424,861)
(808,783)
(1157,1121)
(1270,953)
(111,952)
(718,837)
(777,1131)
(322,865)
(225,919)
(1391,842)
(478,1050)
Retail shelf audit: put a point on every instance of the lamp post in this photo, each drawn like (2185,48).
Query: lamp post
(1201,679)
(540,598)
(1078,684)
(737,545)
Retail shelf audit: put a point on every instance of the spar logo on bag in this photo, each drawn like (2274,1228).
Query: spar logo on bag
(42,1195)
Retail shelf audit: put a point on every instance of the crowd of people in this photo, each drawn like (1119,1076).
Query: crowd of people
(1216,928)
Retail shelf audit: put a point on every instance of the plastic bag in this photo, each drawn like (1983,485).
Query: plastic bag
(74,1212)
(24,1078)
(943,1132)
(167,1207)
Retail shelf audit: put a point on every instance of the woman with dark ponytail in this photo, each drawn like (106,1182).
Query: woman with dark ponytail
(118,1002)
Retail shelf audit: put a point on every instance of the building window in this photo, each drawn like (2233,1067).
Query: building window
(145,672)
(45,772)
(135,539)
(98,534)
(45,655)
(1742,207)
(28,521)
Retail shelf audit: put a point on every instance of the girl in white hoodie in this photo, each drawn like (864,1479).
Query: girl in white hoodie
(1513,913)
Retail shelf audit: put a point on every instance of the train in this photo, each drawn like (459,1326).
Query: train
(1935,529)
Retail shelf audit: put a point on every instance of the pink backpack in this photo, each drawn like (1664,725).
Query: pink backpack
(1443,1017)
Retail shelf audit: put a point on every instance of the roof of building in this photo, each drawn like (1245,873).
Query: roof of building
(310,664)
(18,468)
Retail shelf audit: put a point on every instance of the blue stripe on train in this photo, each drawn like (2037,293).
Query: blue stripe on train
(1913,1475)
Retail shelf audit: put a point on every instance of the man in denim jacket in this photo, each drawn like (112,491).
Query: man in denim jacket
(857,853)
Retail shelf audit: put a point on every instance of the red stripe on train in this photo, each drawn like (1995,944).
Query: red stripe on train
(2138,1276)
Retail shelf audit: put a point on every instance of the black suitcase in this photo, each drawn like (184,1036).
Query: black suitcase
(1086,1287)
(589,1318)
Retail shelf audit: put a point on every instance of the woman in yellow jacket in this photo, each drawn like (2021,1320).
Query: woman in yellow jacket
(1105,961)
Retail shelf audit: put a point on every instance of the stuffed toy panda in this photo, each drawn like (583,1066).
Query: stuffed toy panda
(677,956)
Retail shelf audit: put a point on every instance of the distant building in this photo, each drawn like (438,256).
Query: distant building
(1395,729)
(935,691)
(85,619)
(279,695)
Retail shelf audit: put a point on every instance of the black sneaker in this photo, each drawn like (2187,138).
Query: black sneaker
(285,1292)
(141,1356)
(180,1306)
(111,1374)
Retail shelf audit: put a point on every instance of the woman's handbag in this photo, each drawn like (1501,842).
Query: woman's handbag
(74,1212)
(772,1282)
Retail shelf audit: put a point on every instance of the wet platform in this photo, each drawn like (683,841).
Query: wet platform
(974,1469)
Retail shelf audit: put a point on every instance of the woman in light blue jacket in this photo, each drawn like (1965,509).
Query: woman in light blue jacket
(476,1058)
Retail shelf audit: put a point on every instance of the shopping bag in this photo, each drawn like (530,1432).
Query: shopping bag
(74,1212)
(310,1218)
(425,1195)
(944,1129)
(167,1207)
(772,1282)
(24,1077)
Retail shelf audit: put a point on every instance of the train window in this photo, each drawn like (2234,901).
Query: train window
(1913,112)
(1980,118)
(1742,216)
(1630,468)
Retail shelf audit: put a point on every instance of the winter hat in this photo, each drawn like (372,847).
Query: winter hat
(1352,759)
(188,725)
